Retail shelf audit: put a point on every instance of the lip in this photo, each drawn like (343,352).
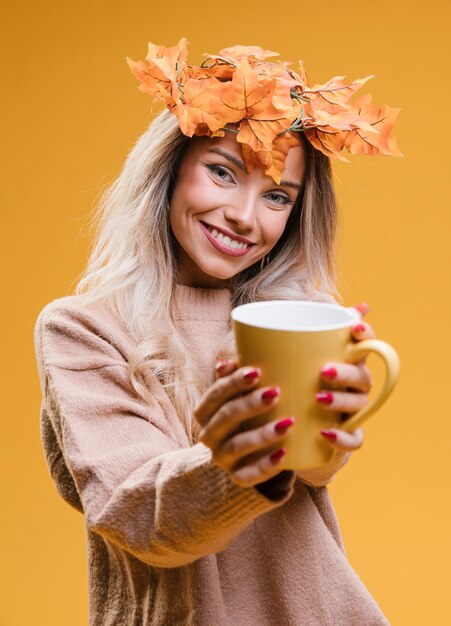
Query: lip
(219,246)
(230,234)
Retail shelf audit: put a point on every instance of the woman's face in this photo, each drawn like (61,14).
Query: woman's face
(217,206)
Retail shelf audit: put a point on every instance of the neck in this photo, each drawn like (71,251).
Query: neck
(190,275)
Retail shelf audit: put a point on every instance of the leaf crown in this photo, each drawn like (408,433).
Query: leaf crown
(264,103)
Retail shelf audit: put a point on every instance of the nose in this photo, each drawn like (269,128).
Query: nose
(242,213)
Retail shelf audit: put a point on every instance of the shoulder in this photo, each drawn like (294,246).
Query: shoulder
(68,329)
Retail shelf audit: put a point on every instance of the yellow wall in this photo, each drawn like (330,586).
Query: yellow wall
(72,111)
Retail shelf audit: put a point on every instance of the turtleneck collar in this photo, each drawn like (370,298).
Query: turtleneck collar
(201,303)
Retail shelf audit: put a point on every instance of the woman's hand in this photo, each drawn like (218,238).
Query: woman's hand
(226,405)
(350,384)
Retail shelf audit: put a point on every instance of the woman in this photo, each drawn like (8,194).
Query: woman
(146,437)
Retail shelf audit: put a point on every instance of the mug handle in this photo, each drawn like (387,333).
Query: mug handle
(356,351)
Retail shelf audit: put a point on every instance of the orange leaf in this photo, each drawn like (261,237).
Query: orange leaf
(336,91)
(273,160)
(199,106)
(177,53)
(166,68)
(380,118)
(260,134)
(245,95)
(235,54)
(328,141)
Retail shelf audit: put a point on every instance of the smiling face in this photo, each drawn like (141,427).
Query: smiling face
(224,218)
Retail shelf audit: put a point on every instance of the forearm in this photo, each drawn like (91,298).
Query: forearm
(177,508)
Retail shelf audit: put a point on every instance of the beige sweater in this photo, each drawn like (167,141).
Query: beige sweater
(170,538)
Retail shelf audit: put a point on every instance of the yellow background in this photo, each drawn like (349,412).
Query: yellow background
(71,111)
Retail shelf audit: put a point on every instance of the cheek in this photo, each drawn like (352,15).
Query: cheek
(273,227)
(192,194)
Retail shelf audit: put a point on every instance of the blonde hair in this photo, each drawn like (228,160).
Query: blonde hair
(132,267)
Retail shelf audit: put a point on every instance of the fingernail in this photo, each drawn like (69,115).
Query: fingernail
(270,394)
(329,434)
(251,374)
(329,372)
(363,308)
(220,364)
(325,397)
(277,455)
(284,425)
(358,328)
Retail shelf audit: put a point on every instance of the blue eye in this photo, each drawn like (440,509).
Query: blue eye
(219,171)
(278,198)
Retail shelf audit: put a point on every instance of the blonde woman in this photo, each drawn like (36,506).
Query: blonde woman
(144,405)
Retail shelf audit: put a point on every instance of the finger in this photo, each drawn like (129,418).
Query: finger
(363,330)
(225,366)
(224,389)
(362,308)
(342,401)
(231,415)
(243,444)
(259,471)
(346,375)
(342,440)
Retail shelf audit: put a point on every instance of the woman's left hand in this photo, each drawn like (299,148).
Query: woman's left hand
(350,383)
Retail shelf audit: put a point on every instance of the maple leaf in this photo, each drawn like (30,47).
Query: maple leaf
(259,134)
(177,53)
(198,106)
(165,72)
(328,141)
(370,132)
(245,95)
(340,120)
(153,80)
(272,160)
(381,119)
(336,91)
(234,54)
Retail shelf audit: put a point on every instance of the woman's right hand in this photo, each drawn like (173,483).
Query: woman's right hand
(229,402)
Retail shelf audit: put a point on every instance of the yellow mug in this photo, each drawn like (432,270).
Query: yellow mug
(291,341)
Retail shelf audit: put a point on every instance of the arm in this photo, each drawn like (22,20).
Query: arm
(166,504)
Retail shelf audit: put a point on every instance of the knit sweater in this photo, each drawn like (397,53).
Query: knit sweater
(171,539)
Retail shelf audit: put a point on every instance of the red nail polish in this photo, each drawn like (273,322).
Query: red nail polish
(277,455)
(329,372)
(270,394)
(358,328)
(283,425)
(251,375)
(330,435)
(325,397)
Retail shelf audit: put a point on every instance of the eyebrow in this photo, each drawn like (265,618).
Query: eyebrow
(241,166)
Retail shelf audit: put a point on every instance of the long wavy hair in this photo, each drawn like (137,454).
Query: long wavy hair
(132,267)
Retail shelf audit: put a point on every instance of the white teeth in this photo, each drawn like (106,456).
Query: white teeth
(224,239)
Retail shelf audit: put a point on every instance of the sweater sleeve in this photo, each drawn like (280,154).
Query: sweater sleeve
(166,504)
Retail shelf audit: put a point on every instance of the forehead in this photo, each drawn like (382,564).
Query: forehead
(199,147)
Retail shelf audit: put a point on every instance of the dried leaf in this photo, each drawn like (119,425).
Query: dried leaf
(380,118)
